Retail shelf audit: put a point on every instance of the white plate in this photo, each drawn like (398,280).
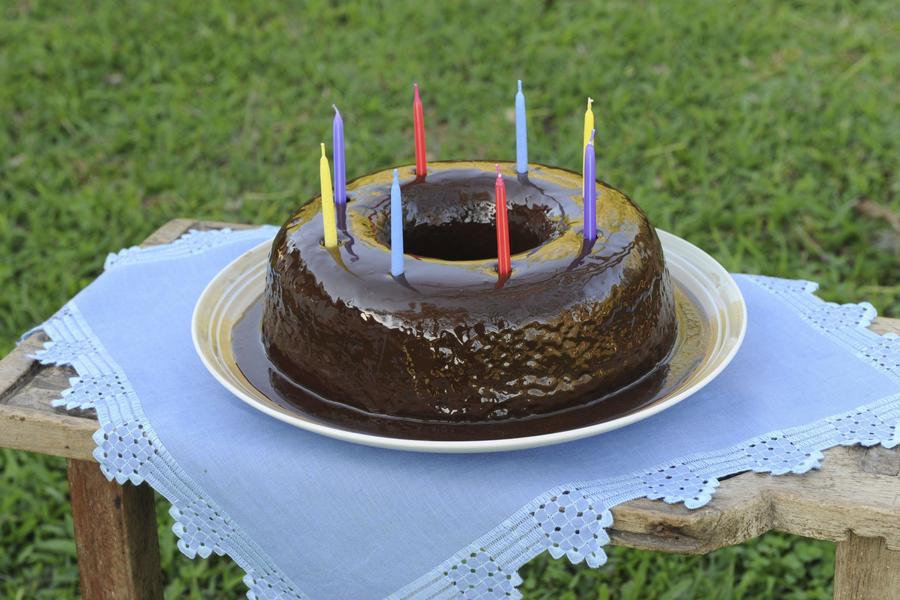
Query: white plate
(714,296)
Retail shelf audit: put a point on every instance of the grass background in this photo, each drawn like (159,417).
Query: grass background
(766,132)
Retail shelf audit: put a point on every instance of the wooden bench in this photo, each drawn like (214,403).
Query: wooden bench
(854,499)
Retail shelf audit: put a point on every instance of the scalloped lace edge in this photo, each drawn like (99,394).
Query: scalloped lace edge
(128,448)
(570,520)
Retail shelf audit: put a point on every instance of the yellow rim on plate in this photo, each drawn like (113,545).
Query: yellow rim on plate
(712,291)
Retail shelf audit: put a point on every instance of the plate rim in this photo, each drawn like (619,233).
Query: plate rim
(473,446)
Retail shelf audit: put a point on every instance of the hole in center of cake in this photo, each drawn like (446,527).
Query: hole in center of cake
(461,240)
(452,216)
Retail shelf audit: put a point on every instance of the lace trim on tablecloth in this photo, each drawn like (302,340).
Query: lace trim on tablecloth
(128,449)
(568,521)
(192,242)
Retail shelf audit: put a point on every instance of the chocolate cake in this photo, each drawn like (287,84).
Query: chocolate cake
(450,341)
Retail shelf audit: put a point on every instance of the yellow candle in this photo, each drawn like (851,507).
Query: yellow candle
(329,221)
(588,125)
(588,128)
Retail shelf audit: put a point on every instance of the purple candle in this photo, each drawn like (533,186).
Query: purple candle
(340,170)
(589,193)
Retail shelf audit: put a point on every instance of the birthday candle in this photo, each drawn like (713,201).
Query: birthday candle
(521,133)
(588,128)
(589,192)
(419,132)
(340,167)
(396,229)
(503,261)
(328,218)
(588,123)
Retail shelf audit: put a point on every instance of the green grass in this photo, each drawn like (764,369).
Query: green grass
(755,130)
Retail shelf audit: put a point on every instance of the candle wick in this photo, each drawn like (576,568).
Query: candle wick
(498,170)
(520,86)
(323,149)
(337,112)
(590,101)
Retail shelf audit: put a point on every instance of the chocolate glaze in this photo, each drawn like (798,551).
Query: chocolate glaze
(264,376)
(448,342)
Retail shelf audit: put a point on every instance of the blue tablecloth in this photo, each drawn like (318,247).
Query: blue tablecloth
(307,516)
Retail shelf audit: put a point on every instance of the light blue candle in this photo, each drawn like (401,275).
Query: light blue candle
(340,168)
(590,190)
(396,229)
(521,133)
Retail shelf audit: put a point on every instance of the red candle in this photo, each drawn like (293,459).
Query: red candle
(419,126)
(504,267)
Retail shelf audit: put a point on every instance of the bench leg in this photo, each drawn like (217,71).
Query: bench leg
(115,535)
(865,569)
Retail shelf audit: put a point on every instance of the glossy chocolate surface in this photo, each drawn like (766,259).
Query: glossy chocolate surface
(448,342)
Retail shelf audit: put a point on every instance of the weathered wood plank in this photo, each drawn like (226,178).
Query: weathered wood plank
(882,325)
(27,421)
(170,232)
(865,569)
(175,228)
(36,385)
(207,225)
(115,536)
(17,367)
(822,504)
(47,433)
